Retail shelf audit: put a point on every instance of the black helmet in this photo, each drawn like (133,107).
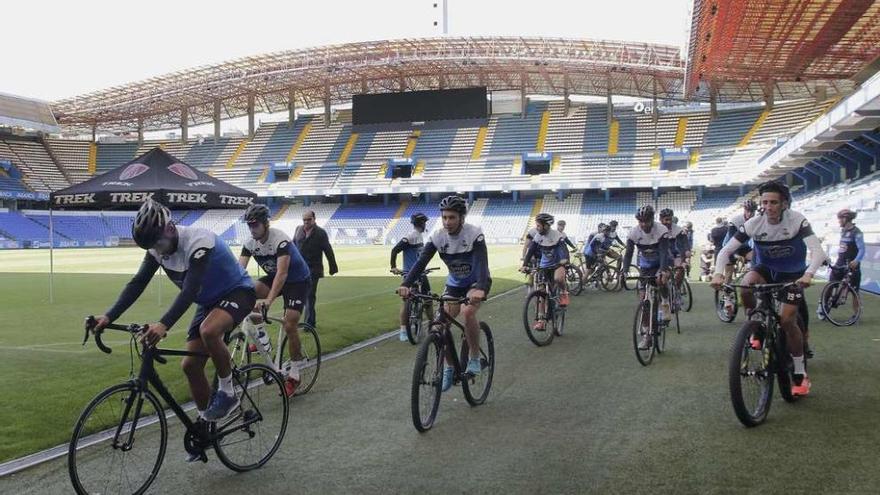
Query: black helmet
(561,223)
(675,219)
(750,205)
(256,213)
(665,212)
(454,203)
(545,218)
(604,228)
(689,225)
(418,219)
(846,213)
(776,187)
(645,213)
(613,224)
(149,224)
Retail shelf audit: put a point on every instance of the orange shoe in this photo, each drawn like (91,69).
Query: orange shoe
(539,325)
(252,347)
(290,386)
(801,389)
(756,343)
(563,299)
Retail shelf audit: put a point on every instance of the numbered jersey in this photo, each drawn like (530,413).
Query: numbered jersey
(779,247)
(223,272)
(457,252)
(266,255)
(648,244)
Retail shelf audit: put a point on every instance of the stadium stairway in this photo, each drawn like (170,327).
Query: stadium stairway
(237,153)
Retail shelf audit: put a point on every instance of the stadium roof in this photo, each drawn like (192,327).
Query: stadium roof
(26,113)
(546,66)
(746,49)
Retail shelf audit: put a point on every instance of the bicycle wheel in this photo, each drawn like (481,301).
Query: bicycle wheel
(783,364)
(476,388)
(609,279)
(558,319)
(118,442)
(253,434)
(749,379)
(660,334)
(643,355)
(725,314)
(426,382)
(841,304)
(575,280)
(687,296)
(310,348)
(414,320)
(539,337)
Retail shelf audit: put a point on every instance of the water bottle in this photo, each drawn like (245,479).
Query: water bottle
(263,337)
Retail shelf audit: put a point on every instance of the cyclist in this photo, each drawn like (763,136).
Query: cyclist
(689,233)
(595,249)
(411,245)
(650,237)
(781,237)
(560,226)
(462,248)
(717,234)
(287,275)
(550,246)
(677,243)
(205,270)
(850,253)
(736,222)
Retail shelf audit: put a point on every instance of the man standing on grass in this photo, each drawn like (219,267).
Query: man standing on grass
(313,243)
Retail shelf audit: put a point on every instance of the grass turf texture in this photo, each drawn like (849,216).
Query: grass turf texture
(48,377)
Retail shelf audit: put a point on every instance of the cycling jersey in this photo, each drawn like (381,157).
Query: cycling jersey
(653,247)
(734,226)
(411,246)
(551,247)
(597,245)
(852,246)
(717,236)
(677,241)
(780,248)
(566,240)
(463,253)
(202,266)
(267,253)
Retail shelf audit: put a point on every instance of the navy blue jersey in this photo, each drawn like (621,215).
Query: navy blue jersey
(551,247)
(780,247)
(411,247)
(852,246)
(464,255)
(267,253)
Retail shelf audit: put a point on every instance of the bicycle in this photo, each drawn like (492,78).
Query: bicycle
(656,325)
(415,309)
(244,342)
(428,370)
(574,278)
(757,354)
(836,294)
(726,303)
(685,300)
(603,274)
(544,294)
(113,423)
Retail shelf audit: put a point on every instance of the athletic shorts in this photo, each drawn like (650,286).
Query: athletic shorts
(837,273)
(791,295)
(452,291)
(294,294)
(238,303)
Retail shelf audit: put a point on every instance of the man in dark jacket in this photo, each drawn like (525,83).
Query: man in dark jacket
(313,243)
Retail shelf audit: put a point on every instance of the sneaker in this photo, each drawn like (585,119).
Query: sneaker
(290,385)
(800,385)
(819,313)
(222,405)
(539,325)
(252,348)
(403,337)
(645,341)
(808,351)
(563,299)
(474,367)
(447,378)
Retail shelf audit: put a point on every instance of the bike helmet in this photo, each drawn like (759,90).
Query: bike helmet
(150,223)
(256,213)
(689,225)
(561,223)
(665,212)
(846,213)
(750,205)
(418,219)
(613,224)
(601,227)
(675,220)
(776,187)
(544,218)
(645,213)
(454,203)
(604,228)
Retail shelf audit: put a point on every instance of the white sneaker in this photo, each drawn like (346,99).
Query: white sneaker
(293,371)
(403,337)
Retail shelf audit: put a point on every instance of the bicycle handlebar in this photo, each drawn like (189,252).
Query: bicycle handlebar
(762,287)
(132,329)
(439,298)
(424,272)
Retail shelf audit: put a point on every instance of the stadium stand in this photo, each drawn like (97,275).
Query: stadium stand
(40,171)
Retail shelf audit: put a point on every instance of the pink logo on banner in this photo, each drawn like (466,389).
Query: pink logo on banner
(133,171)
(183,171)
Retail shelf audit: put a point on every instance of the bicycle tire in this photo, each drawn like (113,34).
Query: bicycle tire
(414,320)
(78,476)
(538,337)
(723,315)
(689,301)
(310,344)
(740,350)
(648,356)
(266,380)
(783,364)
(429,351)
(558,321)
(487,364)
(574,275)
(831,296)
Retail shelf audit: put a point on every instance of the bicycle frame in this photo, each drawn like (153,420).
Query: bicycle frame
(441,324)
